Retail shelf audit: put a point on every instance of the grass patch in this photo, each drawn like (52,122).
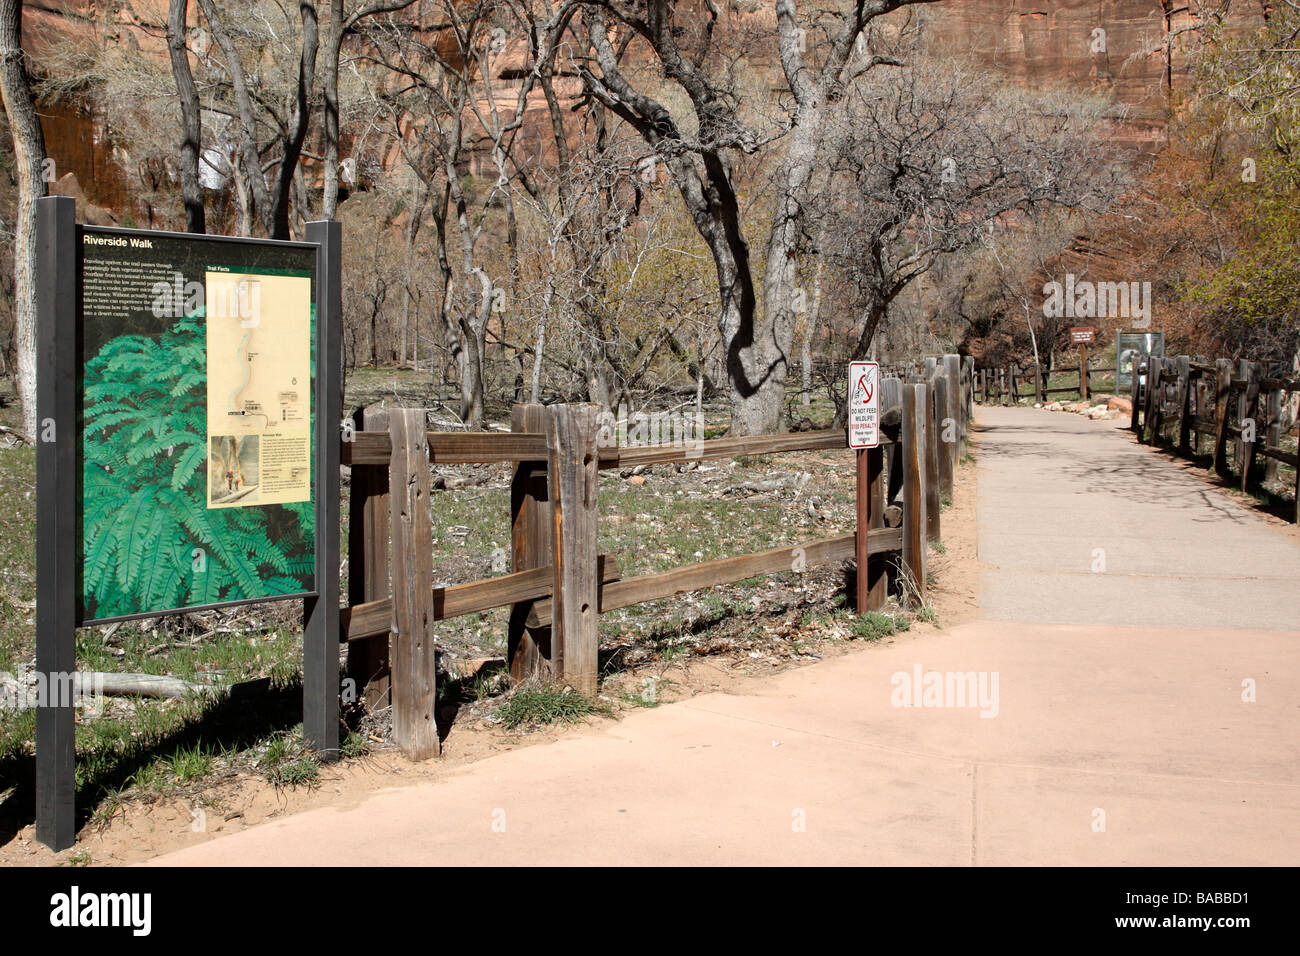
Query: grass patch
(873,626)
(354,745)
(188,764)
(544,704)
(287,763)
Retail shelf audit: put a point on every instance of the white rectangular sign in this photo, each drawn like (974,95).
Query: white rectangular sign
(864,405)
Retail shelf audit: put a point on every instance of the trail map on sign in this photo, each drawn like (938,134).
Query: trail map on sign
(259,387)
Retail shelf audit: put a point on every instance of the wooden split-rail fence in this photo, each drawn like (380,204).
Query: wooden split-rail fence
(1002,385)
(1232,413)
(559,584)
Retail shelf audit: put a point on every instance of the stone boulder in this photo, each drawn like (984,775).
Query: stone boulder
(1120,405)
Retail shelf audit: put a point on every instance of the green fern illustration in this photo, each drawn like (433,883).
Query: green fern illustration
(149,541)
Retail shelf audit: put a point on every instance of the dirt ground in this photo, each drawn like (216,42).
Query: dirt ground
(736,658)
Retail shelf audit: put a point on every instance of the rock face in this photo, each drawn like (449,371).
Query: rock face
(1128,49)
(1115,48)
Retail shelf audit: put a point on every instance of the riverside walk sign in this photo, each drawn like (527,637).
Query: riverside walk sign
(188,397)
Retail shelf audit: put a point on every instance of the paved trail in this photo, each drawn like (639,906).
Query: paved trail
(1120,734)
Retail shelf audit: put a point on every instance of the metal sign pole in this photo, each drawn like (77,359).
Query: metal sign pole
(57,534)
(320,639)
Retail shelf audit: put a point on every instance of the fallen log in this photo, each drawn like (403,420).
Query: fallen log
(18,694)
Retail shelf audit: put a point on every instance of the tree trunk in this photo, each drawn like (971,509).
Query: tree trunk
(191,119)
(774,333)
(330,82)
(298,123)
(810,330)
(260,196)
(29,158)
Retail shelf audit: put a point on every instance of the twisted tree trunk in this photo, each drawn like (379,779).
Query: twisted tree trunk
(191,119)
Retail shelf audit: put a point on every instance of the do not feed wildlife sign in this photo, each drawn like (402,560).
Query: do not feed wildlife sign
(864,404)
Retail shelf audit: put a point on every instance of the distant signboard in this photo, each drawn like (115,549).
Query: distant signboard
(1084,335)
(1132,348)
(864,404)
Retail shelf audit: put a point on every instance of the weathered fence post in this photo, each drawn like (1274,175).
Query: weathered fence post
(1154,386)
(1223,391)
(891,407)
(414,664)
(529,649)
(368,572)
(1135,392)
(1202,392)
(956,406)
(1244,375)
(1184,402)
(1297,493)
(1249,420)
(941,452)
(571,432)
(968,394)
(1273,434)
(932,510)
(1083,372)
(913,437)
(871,582)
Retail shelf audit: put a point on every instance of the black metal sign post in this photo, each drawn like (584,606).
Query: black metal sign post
(57,596)
(60,564)
(320,639)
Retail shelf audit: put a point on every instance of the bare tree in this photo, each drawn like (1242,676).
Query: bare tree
(440,76)
(290,119)
(29,156)
(191,119)
(929,159)
(340,26)
(757,341)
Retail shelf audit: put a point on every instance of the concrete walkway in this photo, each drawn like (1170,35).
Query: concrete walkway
(1106,742)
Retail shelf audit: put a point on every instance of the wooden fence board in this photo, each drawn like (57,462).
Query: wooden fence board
(706,574)
(528,650)
(368,570)
(913,446)
(571,432)
(414,680)
(450,448)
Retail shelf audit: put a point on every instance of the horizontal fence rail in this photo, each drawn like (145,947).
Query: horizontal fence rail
(467,448)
